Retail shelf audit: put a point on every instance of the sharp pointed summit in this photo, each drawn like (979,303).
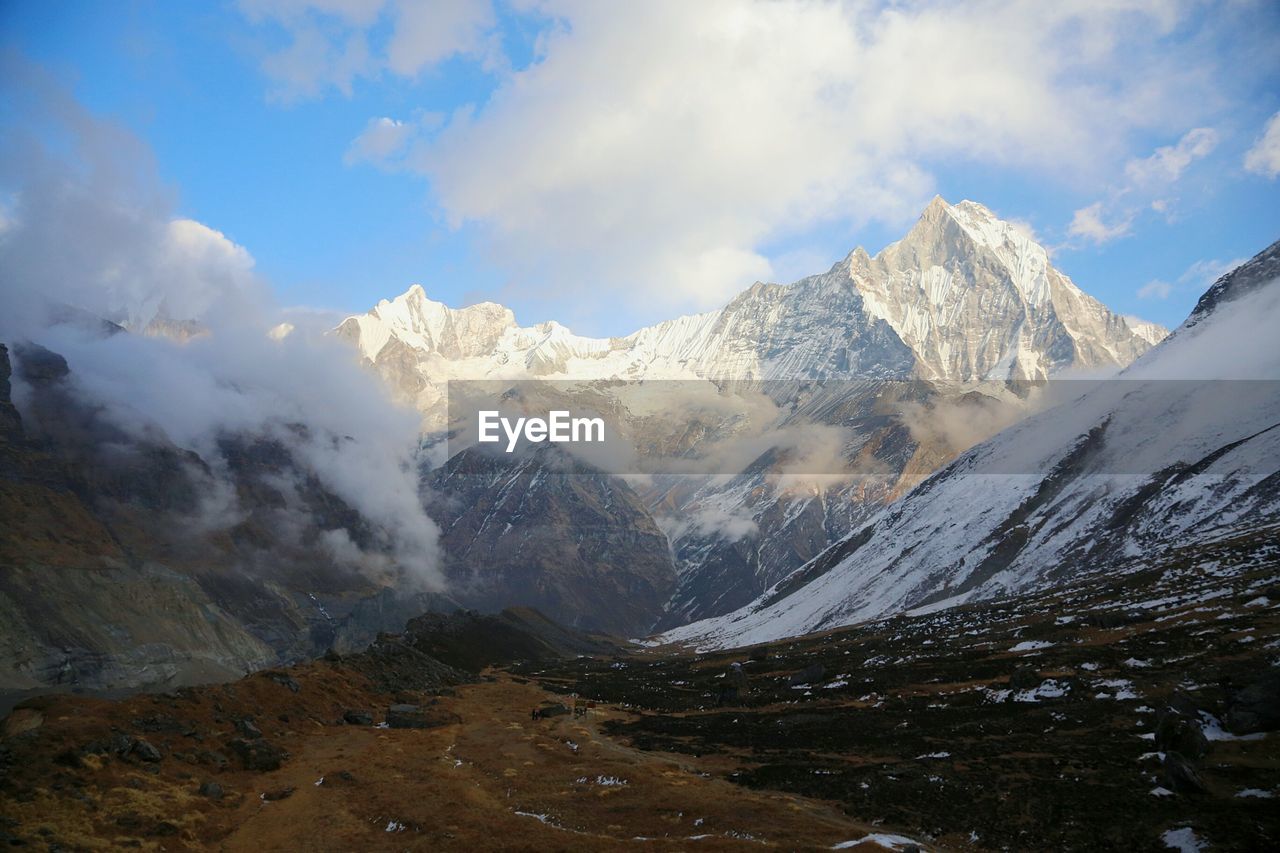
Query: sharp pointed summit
(964,295)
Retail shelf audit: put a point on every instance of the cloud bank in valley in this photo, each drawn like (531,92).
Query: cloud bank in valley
(90,226)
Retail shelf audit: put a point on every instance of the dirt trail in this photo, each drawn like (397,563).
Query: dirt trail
(503,781)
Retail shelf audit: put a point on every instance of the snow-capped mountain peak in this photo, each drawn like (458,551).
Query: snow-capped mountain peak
(963,296)
(425,325)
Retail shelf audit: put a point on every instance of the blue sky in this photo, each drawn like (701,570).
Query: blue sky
(610,165)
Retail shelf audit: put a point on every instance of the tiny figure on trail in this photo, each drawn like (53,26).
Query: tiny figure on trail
(535,714)
(579,707)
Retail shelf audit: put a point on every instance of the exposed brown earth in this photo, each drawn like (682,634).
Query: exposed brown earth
(495,780)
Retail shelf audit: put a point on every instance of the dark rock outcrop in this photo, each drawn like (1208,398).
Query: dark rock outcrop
(404,716)
(258,755)
(1256,708)
(546,531)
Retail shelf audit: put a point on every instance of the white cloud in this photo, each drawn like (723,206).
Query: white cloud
(662,144)
(1168,162)
(333,43)
(90,228)
(1155,289)
(1088,223)
(427,33)
(1264,157)
(382,139)
(1147,180)
(652,150)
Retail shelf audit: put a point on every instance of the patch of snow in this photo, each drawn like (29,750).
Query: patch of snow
(1183,840)
(1031,645)
(891,842)
(1048,689)
(1213,730)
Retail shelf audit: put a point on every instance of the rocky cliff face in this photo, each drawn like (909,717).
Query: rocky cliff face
(964,296)
(116,574)
(976,298)
(546,531)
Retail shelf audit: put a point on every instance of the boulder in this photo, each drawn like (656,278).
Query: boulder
(247,728)
(809,674)
(213,757)
(418,717)
(212,790)
(278,794)
(21,721)
(1256,708)
(357,718)
(1024,678)
(403,716)
(556,709)
(1180,732)
(1179,774)
(145,751)
(257,754)
(283,680)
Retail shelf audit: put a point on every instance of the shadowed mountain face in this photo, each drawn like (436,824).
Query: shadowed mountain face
(546,531)
(133,562)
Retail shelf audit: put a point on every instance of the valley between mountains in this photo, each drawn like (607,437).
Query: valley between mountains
(928,551)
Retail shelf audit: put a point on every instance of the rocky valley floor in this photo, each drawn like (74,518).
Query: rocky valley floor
(1134,710)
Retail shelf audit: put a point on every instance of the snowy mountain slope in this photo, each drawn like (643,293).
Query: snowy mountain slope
(1185,442)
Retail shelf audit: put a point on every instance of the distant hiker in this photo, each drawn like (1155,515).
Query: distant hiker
(535,714)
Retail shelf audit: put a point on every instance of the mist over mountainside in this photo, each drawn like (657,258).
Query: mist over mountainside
(1183,446)
(963,297)
(130,561)
(195,482)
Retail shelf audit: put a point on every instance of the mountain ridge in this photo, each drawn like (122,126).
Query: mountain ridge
(861,296)
(1121,471)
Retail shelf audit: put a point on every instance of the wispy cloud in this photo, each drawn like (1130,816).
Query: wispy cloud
(1087,222)
(381,140)
(1194,279)
(1264,157)
(1155,289)
(1148,181)
(330,44)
